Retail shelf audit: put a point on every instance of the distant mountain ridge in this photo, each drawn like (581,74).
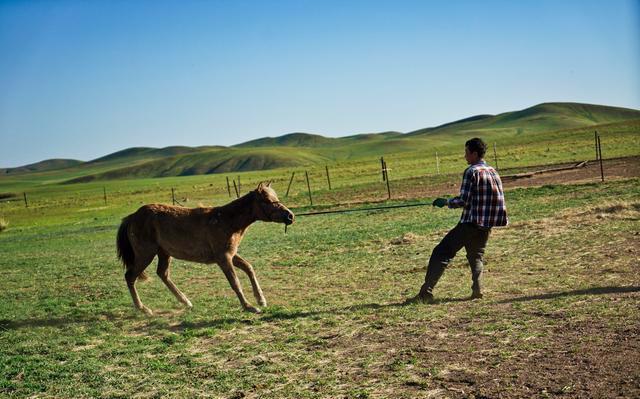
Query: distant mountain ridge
(296,149)
(150,152)
(541,117)
(42,166)
(288,140)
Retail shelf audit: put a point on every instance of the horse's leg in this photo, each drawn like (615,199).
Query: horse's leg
(245,266)
(132,275)
(164,261)
(226,264)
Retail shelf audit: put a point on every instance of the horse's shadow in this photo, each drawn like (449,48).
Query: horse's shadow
(278,315)
(270,316)
(64,321)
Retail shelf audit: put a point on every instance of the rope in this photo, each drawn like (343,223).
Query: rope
(362,209)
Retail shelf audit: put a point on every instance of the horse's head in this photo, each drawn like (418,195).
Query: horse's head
(268,208)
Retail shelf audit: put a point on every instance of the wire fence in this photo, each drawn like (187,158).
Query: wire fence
(372,180)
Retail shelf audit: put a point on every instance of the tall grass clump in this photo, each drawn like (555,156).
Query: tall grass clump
(3,225)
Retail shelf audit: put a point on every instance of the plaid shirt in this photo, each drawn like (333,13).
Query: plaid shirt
(482,197)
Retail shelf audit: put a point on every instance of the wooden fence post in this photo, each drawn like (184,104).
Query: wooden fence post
(386,175)
(236,188)
(308,187)
(26,204)
(328,179)
(437,163)
(495,154)
(290,181)
(239,186)
(228,186)
(595,138)
(173,196)
(600,157)
(104,192)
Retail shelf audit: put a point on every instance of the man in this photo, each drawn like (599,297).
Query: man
(482,199)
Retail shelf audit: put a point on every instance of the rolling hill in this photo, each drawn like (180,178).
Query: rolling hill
(297,149)
(542,117)
(206,162)
(289,140)
(42,166)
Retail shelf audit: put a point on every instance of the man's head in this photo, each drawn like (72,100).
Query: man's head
(474,150)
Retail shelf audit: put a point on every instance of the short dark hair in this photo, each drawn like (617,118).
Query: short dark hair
(477,145)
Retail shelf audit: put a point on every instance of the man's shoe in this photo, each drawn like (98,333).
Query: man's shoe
(476,295)
(421,298)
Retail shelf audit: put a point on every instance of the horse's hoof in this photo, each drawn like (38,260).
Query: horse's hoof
(252,309)
(146,311)
(262,302)
(188,304)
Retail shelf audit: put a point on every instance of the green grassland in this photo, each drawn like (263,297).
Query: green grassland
(335,325)
(562,288)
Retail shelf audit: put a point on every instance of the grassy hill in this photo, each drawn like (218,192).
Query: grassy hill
(315,141)
(207,162)
(42,166)
(556,121)
(136,153)
(542,117)
(289,140)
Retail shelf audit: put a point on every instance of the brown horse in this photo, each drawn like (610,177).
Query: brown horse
(205,235)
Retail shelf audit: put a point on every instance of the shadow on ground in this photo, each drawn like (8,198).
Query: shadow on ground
(57,322)
(586,291)
(7,325)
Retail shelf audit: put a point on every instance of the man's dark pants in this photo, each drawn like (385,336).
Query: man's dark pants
(468,235)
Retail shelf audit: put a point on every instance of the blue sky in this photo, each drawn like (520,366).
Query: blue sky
(81,79)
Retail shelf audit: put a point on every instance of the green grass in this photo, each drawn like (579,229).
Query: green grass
(334,326)
(562,285)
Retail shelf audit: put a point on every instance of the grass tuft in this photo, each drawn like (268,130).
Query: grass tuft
(3,224)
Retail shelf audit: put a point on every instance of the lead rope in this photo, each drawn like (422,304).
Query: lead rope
(360,209)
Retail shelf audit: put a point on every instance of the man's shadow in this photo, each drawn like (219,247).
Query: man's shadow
(586,291)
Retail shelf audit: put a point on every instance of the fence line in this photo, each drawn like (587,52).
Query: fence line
(345,180)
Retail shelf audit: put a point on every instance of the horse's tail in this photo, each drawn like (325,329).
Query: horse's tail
(124,248)
(123,245)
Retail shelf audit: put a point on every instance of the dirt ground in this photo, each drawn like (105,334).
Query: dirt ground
(616,168)
(568,356)
(424,187)
(577,359)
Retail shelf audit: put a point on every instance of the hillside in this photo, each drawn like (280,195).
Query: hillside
(542,117)
(298,149)
(200,163)
(42,166)
(289,140)
(136,153)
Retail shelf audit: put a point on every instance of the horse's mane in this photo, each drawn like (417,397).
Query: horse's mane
(236,207)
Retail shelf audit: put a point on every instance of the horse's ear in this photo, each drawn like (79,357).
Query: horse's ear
(269,184)
(260,186)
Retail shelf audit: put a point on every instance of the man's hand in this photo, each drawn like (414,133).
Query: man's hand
(440,202)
